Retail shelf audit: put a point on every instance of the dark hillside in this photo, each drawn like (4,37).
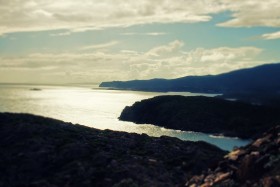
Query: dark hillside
(265,78)
(203,114)
(42,152)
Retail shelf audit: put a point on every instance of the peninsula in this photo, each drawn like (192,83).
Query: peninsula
(203,114)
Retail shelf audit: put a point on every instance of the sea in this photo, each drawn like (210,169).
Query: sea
(97,108)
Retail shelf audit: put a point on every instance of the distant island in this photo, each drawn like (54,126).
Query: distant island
(35,89)
(259,84)
(203,114)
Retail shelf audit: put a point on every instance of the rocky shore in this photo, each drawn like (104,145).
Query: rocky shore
(256,165)
(43,152)
(203,114)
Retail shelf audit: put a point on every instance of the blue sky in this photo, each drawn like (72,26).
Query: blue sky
(93,41)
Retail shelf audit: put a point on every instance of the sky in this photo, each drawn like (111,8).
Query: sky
(90,41)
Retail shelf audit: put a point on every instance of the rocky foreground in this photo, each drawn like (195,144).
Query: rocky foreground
(42,152)
(256,165)
(203,114)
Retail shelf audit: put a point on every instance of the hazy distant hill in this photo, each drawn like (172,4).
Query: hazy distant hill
(261,79)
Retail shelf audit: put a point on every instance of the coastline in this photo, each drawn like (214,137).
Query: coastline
(203,114)
(43,152)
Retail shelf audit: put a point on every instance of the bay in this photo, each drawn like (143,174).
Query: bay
(97,108)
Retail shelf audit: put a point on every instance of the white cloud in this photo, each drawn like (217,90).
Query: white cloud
(271,36)
(96,66)
(144,34)
(83,15)
(35,15)
(75,30)
(224,54)
(165,50)
(130,34)
(156,33)
(100,46)
(61,34)
(248,13)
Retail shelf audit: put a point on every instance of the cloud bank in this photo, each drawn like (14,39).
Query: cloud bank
(271,36)
(167,61)
(249,13)
(35,15)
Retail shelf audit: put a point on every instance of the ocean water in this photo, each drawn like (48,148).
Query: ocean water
(96,108)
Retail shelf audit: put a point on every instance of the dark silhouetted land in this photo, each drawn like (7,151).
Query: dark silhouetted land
(203,114)
(257,164)
(43,152)
(265,78)
(260,84)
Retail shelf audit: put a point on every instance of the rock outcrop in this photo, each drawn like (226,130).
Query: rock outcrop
(256,165)
(42,152)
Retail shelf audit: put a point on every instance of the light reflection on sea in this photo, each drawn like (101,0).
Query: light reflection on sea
(95,108)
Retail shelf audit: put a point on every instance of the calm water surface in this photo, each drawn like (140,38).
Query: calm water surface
(95,108)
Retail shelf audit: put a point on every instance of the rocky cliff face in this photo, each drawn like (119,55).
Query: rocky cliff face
(257,164)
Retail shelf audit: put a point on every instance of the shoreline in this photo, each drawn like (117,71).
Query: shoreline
(203,114)
(42,152)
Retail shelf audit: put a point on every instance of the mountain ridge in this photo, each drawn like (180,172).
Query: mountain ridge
(264,78)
